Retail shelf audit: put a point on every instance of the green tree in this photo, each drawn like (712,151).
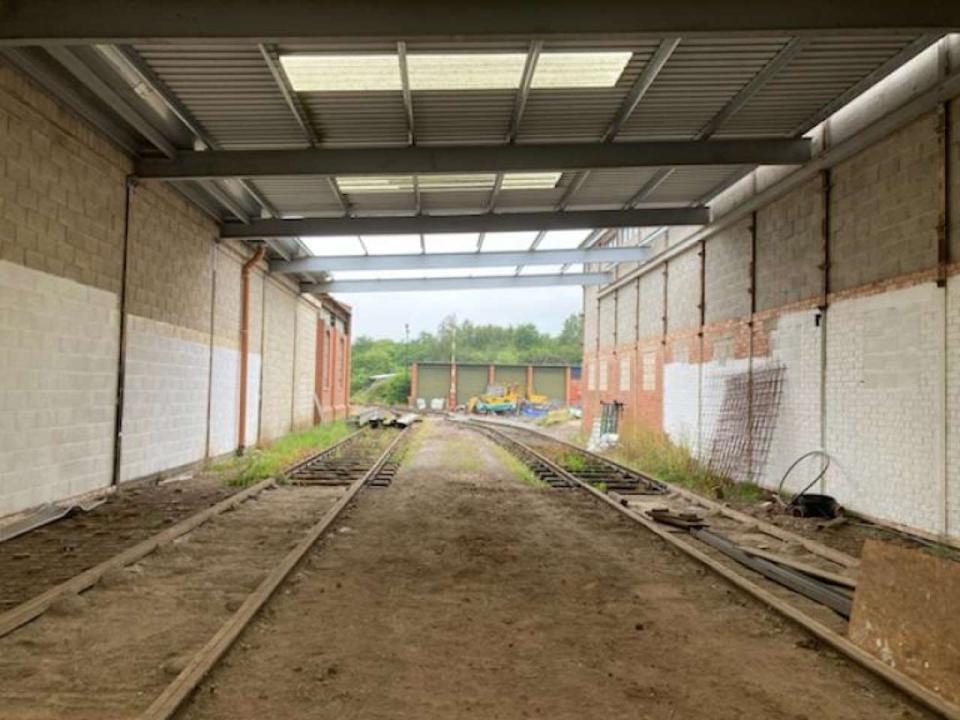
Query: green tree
(474,343)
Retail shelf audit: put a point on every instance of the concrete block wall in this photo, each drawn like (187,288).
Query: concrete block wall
(279,338)
(63,214)
(865,347)
(304,366)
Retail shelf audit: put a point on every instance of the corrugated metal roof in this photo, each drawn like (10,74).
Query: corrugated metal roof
(231,91)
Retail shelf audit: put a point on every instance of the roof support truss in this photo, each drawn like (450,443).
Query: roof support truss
(489,222)
(456,283)
(90,21)
(341,263)
(471,158)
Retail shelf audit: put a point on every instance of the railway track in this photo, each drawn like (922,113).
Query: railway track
(809,583)
(184,607)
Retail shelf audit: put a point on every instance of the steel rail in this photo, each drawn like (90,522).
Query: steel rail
(36,606)
(202,662)
(824,551)
(900,681)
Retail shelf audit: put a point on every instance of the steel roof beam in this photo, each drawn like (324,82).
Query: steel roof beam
(79,69)
(489,222)
(643,82)
(89,21)
(407,95)
(447,261)
(472,158)
(787,53)
(127,58)
(455,283)
(271,56)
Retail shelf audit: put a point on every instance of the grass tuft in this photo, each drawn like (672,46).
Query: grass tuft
(270,460)
(573,462)
(520,471)
(653,453)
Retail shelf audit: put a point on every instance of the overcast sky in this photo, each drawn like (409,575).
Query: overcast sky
(383,315)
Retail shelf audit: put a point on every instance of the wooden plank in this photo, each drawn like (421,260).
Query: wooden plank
(203,661)
(905,614)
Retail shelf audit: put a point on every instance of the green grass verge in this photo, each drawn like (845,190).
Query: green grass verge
(655,454)
(270,460)
(520,471)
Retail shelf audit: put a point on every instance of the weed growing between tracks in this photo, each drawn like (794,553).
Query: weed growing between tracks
(655,454)
(270,460)
(520,471)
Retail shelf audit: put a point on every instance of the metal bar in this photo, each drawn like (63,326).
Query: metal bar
(489,222)
(454,283)
(659,177)
(271,57)
(640,86)
(225,199)
(471,158)
(87,21)
(341,263)
(787,53)
(523,92)
(792,579)
(407,95)
(108,95)
(37,69)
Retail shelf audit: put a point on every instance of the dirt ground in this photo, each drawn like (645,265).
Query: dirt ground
(460,592)
(42,558)
(106,654)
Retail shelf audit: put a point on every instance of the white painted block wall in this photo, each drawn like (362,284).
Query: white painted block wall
(58,350)
(165,399)
(953,405)
(224,400)
(795,345)
(885,399)
(681,403)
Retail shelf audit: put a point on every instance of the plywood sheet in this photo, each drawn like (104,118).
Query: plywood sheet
(905,612)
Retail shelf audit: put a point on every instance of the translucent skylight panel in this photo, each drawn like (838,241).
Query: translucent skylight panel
(392,244)
(451,242)
(579,69)
(530,180)
(465,71)
(373,184)
(466,181)
(506,241)
(334,245)
(575,268)
(445,182)
(342,72)
(563,239)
